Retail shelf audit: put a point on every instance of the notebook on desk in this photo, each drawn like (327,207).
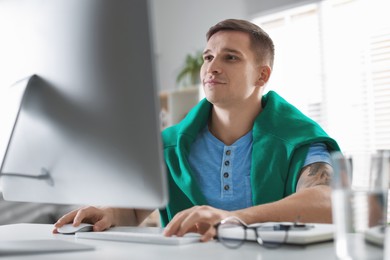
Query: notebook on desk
(299,235)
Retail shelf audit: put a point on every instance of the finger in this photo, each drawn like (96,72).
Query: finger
(188,224)
(198,217)
(102,224)
(68,218)
(204,217)
(174,225)
(209,234)
(84,213)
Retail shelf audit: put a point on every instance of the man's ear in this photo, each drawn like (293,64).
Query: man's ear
(264,74)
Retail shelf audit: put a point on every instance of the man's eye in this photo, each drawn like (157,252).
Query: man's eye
(231,57)
(207,58)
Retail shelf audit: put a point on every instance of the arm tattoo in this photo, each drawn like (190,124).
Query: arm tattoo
(315,174)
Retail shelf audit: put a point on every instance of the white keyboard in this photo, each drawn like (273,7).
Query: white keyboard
(149,235)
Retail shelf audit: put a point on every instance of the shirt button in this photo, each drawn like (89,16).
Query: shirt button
(228,152)
(226,187)
(227,163)
(226,175)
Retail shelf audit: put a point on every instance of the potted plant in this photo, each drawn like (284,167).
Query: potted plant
(189,74)
(177,102)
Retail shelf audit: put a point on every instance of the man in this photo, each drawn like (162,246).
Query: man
(238,152)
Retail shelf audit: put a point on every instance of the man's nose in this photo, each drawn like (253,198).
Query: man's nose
(214,67)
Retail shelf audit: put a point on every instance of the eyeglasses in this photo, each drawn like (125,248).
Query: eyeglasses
(232,232)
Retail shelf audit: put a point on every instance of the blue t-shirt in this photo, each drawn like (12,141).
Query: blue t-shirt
(223,172)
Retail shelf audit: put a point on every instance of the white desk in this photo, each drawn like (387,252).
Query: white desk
(199,251)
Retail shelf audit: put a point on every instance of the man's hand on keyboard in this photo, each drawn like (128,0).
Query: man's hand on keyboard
(199,219)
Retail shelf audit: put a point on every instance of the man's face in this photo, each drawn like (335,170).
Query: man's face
(230,73)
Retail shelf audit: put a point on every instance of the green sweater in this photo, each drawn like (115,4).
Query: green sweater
(281,138)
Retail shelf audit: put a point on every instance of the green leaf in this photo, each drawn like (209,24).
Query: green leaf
(190,71)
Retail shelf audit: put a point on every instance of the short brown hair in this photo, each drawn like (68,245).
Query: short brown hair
(261,43)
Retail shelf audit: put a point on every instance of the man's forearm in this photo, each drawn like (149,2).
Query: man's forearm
(308,205)
(128,217)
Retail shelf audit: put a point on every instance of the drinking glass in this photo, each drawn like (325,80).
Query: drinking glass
(360,213)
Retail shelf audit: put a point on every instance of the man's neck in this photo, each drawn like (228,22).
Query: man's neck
(229,125)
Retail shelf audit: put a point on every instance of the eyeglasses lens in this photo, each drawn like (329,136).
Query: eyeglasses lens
(231,233)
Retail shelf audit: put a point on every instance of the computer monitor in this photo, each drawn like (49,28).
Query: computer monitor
(87,125)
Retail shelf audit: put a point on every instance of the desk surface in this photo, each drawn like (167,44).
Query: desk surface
(123,250)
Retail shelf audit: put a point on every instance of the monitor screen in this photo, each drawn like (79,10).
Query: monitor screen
(86,128)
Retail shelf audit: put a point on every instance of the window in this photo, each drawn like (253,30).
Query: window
(332,61)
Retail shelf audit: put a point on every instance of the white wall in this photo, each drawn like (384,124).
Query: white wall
(180,28)
(256,7)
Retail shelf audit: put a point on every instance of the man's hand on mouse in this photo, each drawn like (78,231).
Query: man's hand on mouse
(101,218)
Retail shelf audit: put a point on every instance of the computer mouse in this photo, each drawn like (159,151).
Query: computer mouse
(70,229)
